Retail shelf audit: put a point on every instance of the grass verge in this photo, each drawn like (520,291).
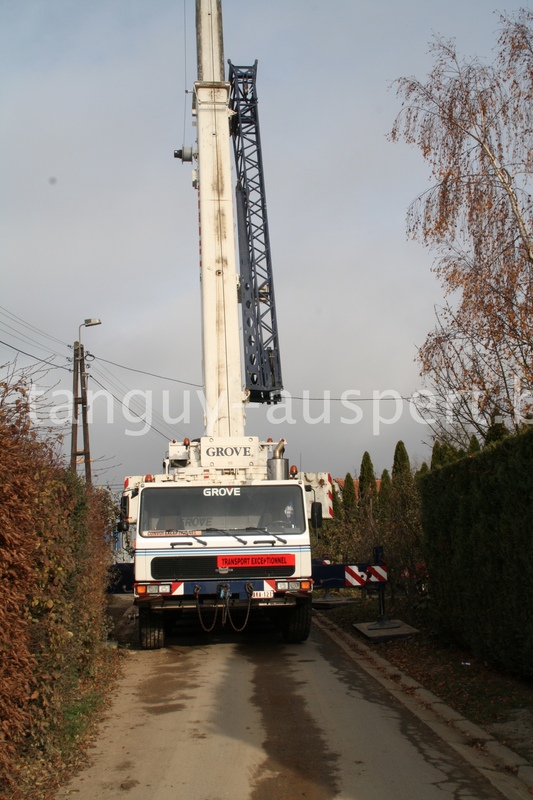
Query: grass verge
(500,703)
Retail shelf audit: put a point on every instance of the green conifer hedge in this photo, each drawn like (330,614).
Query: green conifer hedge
(477,516)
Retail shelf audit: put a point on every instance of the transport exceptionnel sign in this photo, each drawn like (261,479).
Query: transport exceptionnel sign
(257,560)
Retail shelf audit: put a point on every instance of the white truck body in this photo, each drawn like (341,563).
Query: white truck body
(237,531)
(210,538)
(223,528)
(320,490)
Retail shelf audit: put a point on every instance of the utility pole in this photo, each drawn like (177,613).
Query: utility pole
(79,395)
(75,404)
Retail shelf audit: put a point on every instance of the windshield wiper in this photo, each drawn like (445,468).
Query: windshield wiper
(268,533)
(242,541)
(262,530)
(251,529)
(279,538)
(228,531)
(188,541)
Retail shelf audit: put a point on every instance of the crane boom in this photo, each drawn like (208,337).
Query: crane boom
(262,365)
(222,369)
(224,525)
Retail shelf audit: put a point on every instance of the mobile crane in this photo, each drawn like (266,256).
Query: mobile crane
(223,530)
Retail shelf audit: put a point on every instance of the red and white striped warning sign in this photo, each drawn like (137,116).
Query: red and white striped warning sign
(353,576)
(376,574)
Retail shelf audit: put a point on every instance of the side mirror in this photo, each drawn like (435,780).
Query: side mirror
(316,514)
(122,526)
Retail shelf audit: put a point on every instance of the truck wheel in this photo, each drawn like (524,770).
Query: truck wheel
(151,629)
(296,623)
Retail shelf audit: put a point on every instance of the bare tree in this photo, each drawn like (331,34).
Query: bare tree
(473,123)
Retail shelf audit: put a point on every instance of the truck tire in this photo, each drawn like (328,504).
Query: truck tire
(151,630)
(296,623)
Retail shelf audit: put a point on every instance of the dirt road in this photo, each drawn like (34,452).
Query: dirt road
(248,717)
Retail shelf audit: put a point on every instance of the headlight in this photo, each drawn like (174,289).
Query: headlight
(158,588)
(293,586)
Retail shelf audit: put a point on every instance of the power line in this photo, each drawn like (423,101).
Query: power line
(164,435)
(121,387)
(350,399)
(14,317)
(198,385)
(291,397)
(24,338)
(35,358)
(163,377)
(151,374)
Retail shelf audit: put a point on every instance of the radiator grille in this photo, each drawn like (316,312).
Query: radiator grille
(203,567)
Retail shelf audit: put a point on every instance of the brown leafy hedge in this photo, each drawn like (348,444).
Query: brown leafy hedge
(54,560)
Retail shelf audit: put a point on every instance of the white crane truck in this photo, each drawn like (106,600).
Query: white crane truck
(224,529)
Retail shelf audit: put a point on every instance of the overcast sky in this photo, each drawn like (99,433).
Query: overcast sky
(99,219)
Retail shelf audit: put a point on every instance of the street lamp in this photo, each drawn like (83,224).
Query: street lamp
(81,399)
(88,324)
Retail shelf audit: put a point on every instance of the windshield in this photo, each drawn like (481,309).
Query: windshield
(217,510)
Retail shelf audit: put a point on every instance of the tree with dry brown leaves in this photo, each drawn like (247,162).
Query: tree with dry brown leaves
(473,123)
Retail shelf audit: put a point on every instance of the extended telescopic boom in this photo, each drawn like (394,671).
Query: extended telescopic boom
(220,315)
